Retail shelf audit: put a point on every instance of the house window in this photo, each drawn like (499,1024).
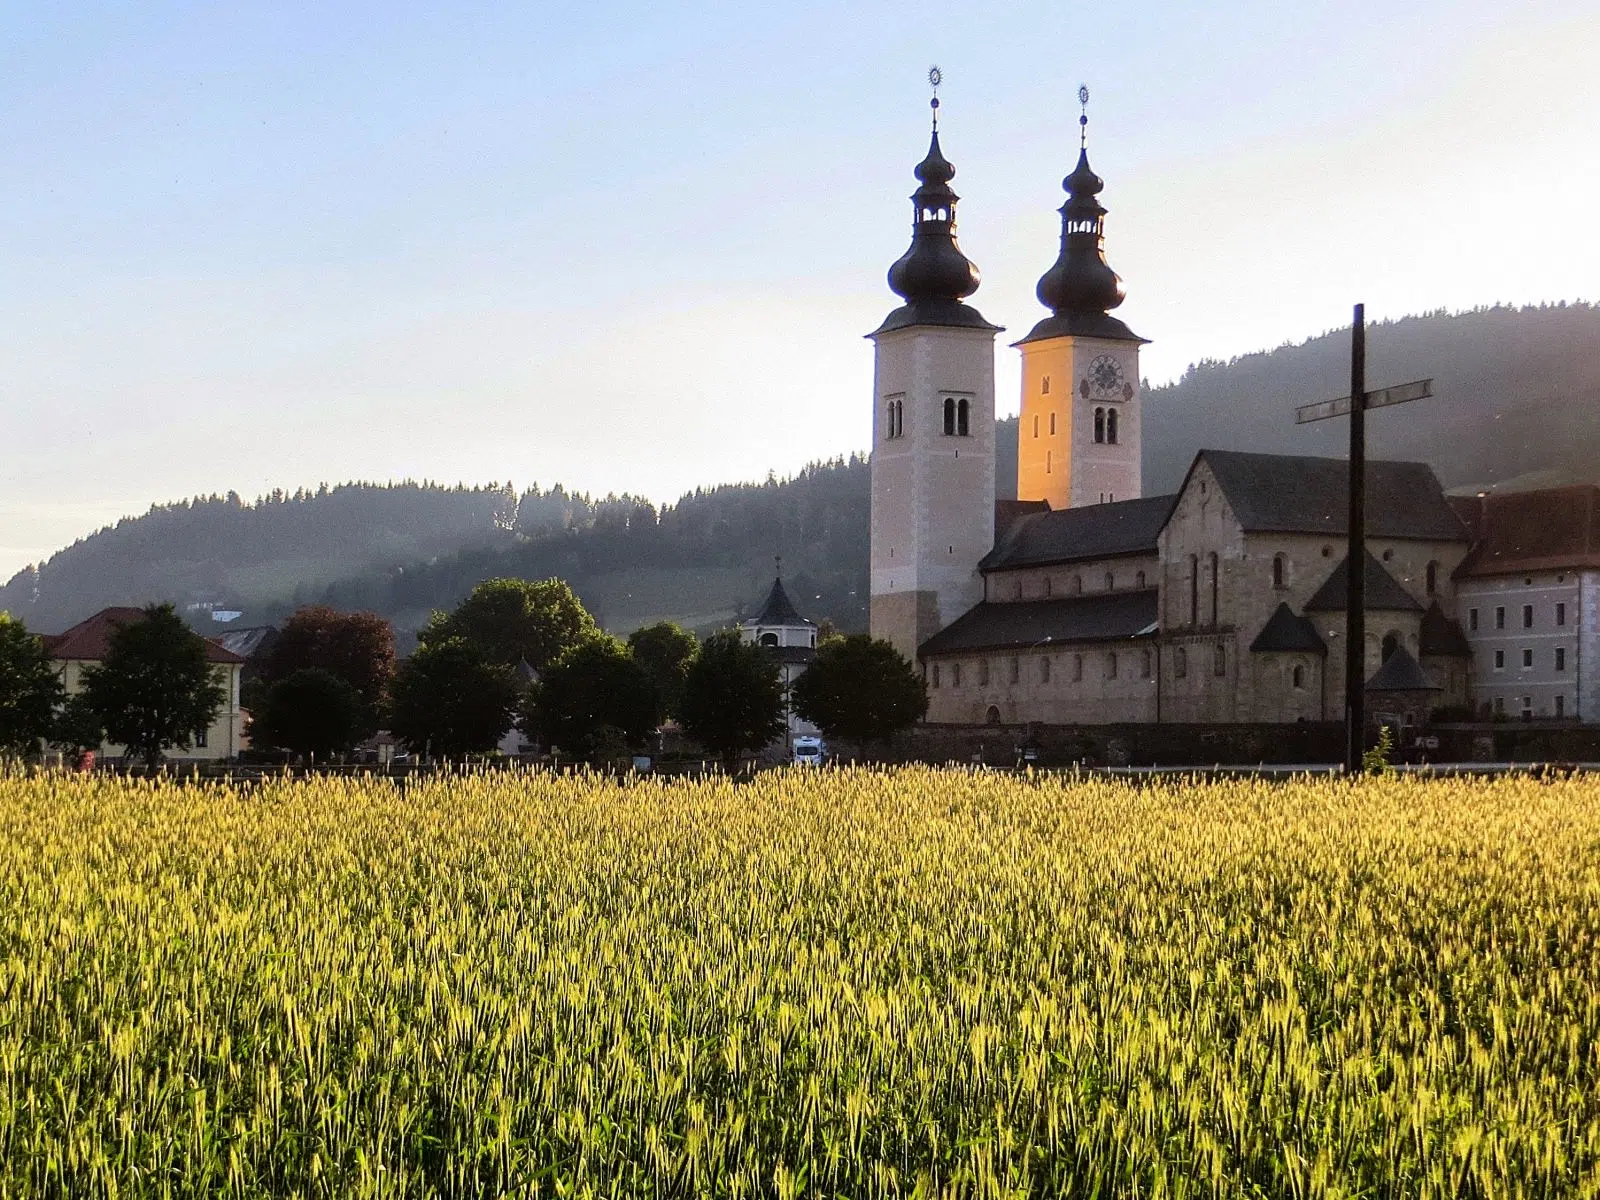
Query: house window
(1220,662)
(935,674)
(1279,575)
(1298,677)
(1499,660)
(1527,658)
(199,739)
(1561,706)
(1099,425)
(1111,426)
(1527,708)
(1527,616)
(1561,658)
(1044,668)
(1500,617)
(1561,614)
(1472,619)
(1077,668)
(1216,618)
(1111,665)
(963,422)
(1052,424)
(1433,578)
(1180,663)
(949,417)
(1016,670)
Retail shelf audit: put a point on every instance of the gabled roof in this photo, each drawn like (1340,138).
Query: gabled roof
(1440,637)
(1287,633)
(247,642)
(1401,673)
(1382,592)
(1027,624)
(88,640)
(1285,493)
(1085,532)
(778,609)
(1548,530)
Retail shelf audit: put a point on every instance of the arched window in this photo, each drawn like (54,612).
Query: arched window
(888,421)
(1035,424)
(1044,388)
(935,674)
(1047,462)
(1138,580)
(1216,618)
(955,674)
(899,418)
(1099,425)
(1047,585)
(1077,585)
(1298,677)
(1111,665)
(1194,589)
(1016,670)
(1180,662)
(993,715)
(1280,578)
(1052,424)
(1111,582)
(1433,578)
(1077,668)
(1145,664)
(770,640)
(963,413)
(1219,665)
(1111,426)
(1044,668)
(949,417)
(983,672)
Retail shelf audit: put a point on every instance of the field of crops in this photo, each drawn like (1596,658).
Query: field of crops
(827,984)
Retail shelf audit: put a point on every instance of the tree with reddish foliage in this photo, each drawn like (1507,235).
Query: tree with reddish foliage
(357,647)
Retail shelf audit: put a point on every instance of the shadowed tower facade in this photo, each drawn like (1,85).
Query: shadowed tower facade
(933,427)
(1078,441)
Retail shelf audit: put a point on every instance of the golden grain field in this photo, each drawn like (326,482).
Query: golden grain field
(841,983)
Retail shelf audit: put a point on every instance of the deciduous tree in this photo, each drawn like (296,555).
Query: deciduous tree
(310,712)
(665,651)
(156,688)
(859,689)
(449,700)
(356,647)
(510,620)
(30,689)
(732,698)
(591,699)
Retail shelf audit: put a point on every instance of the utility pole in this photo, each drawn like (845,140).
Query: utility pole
(1356,405)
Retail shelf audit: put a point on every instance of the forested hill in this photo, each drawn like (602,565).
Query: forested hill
(1517,401)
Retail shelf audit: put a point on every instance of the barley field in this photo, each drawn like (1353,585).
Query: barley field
(841,983)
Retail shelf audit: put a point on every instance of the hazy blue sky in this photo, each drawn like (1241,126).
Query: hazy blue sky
(635,246)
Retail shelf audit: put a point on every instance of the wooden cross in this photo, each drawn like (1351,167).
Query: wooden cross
(1356,405)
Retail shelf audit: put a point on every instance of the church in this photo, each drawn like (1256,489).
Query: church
(1085,601)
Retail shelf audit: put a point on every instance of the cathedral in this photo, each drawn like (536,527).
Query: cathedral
(1084,601)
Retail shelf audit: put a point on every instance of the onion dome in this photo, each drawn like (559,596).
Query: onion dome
(1080,289)
(933,276)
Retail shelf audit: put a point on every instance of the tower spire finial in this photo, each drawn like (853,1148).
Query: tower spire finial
(935,78)
(1083,116)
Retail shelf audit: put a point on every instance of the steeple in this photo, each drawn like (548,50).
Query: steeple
(1080,289)
(933,276)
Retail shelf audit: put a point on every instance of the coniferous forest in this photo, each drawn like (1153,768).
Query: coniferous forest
(1516,393)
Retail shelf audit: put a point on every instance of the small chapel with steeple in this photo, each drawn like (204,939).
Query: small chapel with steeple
(1084,601)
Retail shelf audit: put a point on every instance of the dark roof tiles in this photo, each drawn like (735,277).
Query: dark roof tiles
(1025,624)
(1383,593)
(778,609)
(1075,534)
(88,640)
(1401,673)
(1285,632)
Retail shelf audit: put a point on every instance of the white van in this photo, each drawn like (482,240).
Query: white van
(809,752)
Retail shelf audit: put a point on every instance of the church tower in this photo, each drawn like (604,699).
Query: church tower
(933,426)
(1078,441)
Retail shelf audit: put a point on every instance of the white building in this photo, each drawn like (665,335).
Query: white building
(1529,593)
(791,640)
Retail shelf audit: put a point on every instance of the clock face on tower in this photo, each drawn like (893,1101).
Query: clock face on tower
(1105,377)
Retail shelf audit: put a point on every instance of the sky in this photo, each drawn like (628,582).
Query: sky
(633,247)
